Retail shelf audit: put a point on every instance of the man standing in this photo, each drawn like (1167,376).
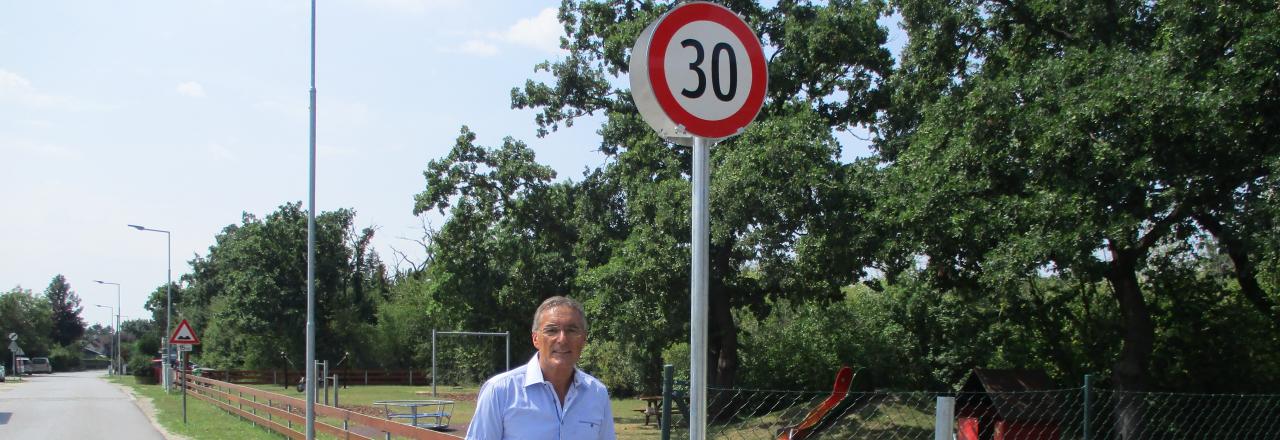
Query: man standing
(548,398)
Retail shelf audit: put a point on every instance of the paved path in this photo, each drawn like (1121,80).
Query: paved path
(70,406)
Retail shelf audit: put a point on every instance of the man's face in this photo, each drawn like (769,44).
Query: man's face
(560,336)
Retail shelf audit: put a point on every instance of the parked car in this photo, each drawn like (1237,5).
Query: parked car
(41,365)
(23,366)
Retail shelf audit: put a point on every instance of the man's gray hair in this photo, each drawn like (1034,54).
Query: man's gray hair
(559,301)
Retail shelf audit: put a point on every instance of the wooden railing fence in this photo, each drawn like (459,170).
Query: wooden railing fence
(285,415)
(345,376)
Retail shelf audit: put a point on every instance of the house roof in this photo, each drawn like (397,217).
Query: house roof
(1016,395)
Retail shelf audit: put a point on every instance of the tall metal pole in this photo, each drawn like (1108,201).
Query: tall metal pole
(433,362)
(168,288)
(168,294)
(116,311)
(113,336)
(1088,407)
(698,289)
(311,246)
(119,364)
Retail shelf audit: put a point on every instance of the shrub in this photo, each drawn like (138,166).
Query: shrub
(65,358)
(140,367)
(800,346)
(615,364)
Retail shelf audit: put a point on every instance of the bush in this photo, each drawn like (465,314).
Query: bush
(95,363)
(140,367)
(66,358)
(615,364)
(800,346)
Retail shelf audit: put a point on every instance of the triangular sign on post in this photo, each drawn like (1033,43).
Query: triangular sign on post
(184,334)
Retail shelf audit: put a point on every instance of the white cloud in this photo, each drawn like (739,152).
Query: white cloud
(412,6)
(15,88)
(192,89)
(476,47)
(541,32)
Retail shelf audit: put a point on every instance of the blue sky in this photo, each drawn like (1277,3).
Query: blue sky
(181,115)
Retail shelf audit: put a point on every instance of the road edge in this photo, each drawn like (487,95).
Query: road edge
(143,403)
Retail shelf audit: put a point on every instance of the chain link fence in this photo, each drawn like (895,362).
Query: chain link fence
(1098,414)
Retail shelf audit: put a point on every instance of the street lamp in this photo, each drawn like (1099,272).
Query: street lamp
(115,362)
(117,310)
(168,293)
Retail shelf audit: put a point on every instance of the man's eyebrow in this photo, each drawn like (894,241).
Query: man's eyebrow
(555,326)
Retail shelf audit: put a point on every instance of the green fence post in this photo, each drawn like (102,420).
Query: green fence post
(1088,406)
(668,371)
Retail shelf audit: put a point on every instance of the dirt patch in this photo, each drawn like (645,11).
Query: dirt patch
(456,397)
(374,411)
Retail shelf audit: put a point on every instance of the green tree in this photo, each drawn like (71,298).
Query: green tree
(780,200)
(1076,136)
(508,242)
(247,298)
(29,316)
(68,326)
(102,336)
(144,333)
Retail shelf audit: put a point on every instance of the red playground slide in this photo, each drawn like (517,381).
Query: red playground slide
(808,427)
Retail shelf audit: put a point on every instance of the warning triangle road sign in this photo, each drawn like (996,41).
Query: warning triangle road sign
(184,334)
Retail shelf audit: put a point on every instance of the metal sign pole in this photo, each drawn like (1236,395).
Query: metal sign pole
(311,248)
(698,289)
(182,371)
(433,362)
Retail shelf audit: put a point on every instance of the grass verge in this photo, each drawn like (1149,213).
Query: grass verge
(628,422)
(207,422)
(204,421)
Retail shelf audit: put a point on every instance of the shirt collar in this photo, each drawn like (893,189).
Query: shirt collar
(533,373)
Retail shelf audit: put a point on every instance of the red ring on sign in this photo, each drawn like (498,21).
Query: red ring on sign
(662,35)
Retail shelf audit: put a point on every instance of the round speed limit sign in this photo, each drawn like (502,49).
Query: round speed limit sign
(699,71)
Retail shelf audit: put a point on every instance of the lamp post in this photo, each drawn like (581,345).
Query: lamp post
(117,310)
(168,293)
(115,362)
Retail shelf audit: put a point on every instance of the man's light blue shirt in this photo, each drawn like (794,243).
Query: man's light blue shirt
(519,404)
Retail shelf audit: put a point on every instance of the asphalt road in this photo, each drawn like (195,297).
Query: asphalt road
(70,406)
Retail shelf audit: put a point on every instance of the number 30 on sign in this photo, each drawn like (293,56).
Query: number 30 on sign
(698,71)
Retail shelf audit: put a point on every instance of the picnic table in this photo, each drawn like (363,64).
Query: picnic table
(431,414)
(653,408)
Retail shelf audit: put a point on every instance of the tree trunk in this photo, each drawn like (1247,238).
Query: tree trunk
(726,341)
(722,340)
(722,333)
(1246,273)
(1130,371)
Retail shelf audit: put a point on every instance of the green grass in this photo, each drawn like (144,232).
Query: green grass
(628,422)
(208,422)
(204,421)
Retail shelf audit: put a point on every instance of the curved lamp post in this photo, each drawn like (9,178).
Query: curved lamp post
(115,350)
(115,311)
(168,291)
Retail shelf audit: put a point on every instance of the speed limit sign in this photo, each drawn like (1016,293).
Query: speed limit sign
(698,71)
